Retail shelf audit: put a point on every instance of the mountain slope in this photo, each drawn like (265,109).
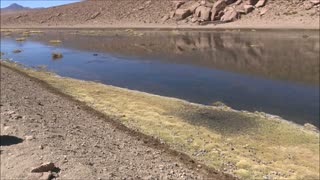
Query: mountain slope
(102,13)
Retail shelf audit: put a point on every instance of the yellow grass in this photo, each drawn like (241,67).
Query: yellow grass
(20,39)
(55,41)
(248,145)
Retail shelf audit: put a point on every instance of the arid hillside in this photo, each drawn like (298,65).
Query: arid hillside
(101,13)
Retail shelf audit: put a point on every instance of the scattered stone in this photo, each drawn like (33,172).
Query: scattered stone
(203,12)
(46,176)
(263,11)
(248,8)
(193,7)
(260,3)
(230,15)
(217,7)
(93,16)
(6,128)
(165,18)
(238,2)
(181,14)
(29,138)
(45,167)
(307,5)
(315,2)
(178,4)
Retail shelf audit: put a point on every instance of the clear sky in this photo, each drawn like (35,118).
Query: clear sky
(36,3)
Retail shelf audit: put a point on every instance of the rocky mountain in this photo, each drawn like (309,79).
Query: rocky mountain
(14,7)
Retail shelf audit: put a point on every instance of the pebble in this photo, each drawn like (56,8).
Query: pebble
(28,138)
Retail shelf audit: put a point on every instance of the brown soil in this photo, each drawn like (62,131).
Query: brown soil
(146,13)
(82,143)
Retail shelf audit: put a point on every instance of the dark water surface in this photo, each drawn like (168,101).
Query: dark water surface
(276,72)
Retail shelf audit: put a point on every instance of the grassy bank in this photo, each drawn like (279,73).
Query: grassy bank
(248,145)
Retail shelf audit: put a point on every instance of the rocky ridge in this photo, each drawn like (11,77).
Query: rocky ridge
(223,10)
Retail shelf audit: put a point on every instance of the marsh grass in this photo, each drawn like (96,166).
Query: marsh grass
(248,145)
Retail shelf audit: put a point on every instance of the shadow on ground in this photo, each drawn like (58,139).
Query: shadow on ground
(9,140)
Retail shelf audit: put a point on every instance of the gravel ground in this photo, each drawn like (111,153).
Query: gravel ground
(40,125)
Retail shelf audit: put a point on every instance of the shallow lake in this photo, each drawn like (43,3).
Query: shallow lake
(276,72)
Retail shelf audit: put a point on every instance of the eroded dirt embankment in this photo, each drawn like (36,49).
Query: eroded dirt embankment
(40,125)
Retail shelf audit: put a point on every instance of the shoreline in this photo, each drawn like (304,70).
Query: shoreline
(10,127)
(227,26)
(172,114)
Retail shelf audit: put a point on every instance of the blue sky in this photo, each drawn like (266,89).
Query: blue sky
(36,3)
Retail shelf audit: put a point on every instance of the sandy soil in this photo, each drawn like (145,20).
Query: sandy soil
(40,125)
(148,14)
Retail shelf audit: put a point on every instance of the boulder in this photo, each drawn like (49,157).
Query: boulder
(260,3)
(203,13)
(230,15)
(308,5)
(251,2)
(178,4)
(193,7)
(207,4)
(230,1)
(315,2)
(248,8)
(238,2)
(181,14)
(217,7)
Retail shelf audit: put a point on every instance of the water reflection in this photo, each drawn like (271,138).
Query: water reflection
(277,73)
(282,55)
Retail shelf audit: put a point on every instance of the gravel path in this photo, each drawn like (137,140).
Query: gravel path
(82,143)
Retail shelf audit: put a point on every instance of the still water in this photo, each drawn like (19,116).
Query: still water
(276,72)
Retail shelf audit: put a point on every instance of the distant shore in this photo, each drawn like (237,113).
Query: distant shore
(227,26)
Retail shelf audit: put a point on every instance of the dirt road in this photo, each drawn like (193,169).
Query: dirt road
(40,125)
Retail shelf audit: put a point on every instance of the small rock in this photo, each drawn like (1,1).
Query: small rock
(182,13)
(248,8)
(315,2)
(260,3)
(263,11)
(217,7)
(46,176)
(178,4)
(165,18)
(28,138)
(45,167)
